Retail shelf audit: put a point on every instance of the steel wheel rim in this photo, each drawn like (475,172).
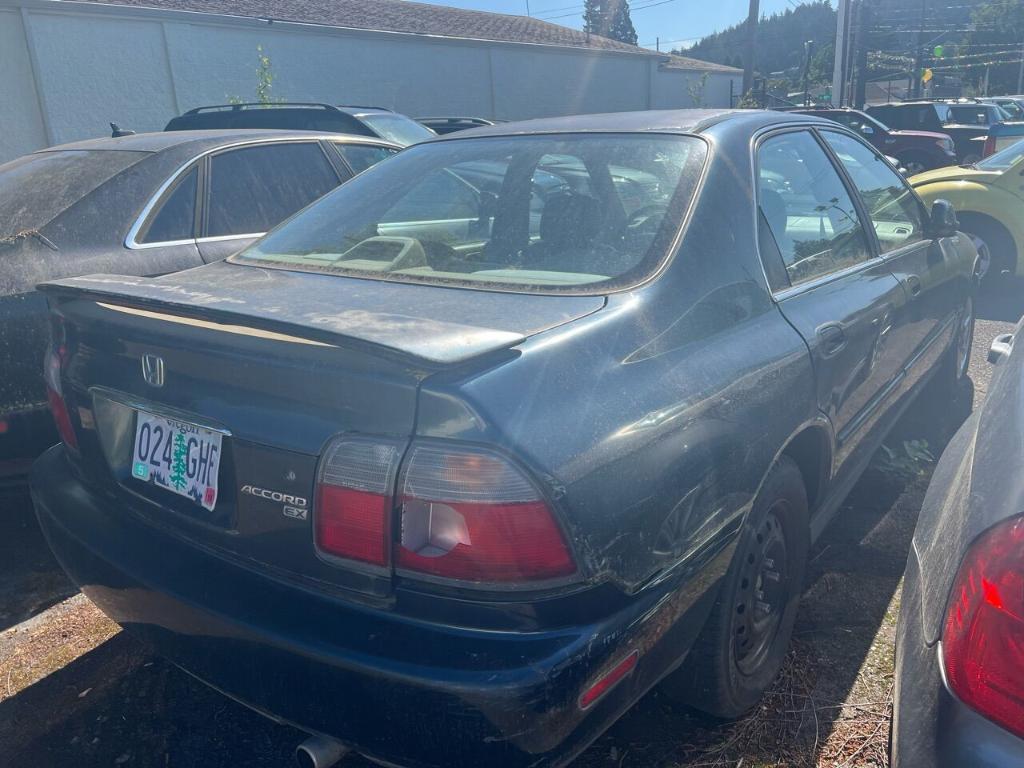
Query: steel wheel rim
(984,256)
(914,168)
(763,593)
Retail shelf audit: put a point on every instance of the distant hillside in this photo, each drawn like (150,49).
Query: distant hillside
(976,36)
(781,39)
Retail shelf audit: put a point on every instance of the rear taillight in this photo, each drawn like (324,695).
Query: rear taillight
(989,147)
(55,358)
(983,640)
(472,516)
(354,502)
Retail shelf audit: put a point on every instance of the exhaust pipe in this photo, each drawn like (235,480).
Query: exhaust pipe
(319,752)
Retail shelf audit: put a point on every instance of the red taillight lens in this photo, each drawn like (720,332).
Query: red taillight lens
(472,516)
(990,146)
(983,640)
(352,516)
(55,395)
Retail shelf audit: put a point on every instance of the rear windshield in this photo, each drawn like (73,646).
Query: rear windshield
(546,213)
(36,188)
(397,128)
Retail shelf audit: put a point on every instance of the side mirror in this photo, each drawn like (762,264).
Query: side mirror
(1001,348)
(867,130)
(943,219)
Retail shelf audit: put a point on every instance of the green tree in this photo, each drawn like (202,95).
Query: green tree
(264,80)
(609,18)
(177,478)
(997,21)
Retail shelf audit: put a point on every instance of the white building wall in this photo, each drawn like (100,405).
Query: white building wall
(69,72)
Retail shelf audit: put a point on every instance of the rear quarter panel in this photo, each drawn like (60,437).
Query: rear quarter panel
(654,421)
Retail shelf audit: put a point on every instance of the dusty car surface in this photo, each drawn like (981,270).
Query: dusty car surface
(989,203)
(454,476)
(959,693)
(140,205)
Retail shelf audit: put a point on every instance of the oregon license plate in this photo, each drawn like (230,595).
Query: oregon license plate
(178,456)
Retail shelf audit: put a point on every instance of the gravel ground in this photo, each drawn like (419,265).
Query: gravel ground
(74,691)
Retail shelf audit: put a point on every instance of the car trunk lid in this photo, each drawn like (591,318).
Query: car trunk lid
(276,363)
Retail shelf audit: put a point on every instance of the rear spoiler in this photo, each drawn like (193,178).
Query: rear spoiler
(429,343)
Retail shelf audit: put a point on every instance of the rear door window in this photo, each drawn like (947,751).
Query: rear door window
(175,216)
(252,189)
(896,214)
(806,206)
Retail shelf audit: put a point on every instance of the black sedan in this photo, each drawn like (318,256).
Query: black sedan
(454,477)
(138,205)
(959,696)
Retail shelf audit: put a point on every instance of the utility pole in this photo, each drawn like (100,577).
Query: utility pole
(753,16)
(838,71)
(808,52)
(918,50)
(1020,72)
(860,81)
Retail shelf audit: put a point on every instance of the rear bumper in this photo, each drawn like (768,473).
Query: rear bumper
(931,727)
(400,691)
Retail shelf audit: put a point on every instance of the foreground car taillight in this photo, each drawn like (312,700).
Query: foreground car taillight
(354,502)
(983,640)
(55,357)
(472,516)
(989,147)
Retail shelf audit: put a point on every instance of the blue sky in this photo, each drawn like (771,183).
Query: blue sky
(671,20)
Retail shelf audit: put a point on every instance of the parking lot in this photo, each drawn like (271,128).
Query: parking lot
(76,691)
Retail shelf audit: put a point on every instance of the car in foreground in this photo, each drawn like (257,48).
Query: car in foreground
(141,205)
(966,123)
(508,458)
(378,122)
(959,685)
(916,151)
(990,207)
(445,125)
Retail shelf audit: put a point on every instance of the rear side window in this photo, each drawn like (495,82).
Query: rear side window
(977,114)
(175,216)
(255,188)
(895,212)
(807,209)
(360,156)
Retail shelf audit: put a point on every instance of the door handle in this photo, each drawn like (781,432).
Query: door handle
(832,338)
(914,285)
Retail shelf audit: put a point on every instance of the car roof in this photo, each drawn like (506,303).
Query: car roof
(648,121)
(202,140)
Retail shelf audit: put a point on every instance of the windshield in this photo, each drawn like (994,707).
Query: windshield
(531,212)
(397,128)
(1003,159)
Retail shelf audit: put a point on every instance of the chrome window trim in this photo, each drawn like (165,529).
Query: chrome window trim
(131,239)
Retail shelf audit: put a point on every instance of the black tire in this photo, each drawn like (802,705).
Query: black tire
(741,648)
(990,235)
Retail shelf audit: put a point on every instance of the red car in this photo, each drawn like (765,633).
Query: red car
(917,151)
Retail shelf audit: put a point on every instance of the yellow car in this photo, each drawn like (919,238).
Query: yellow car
(989,200)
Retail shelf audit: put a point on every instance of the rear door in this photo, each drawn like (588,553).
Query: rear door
(253,188)
(830,285)
(898,219)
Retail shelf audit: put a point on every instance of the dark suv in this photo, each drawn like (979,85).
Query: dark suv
(917,151)
(967,123)
(302,116)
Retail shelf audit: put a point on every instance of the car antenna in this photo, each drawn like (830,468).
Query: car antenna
(117,131)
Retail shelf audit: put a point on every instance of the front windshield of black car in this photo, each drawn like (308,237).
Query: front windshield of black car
(542,212)
(1003,159)
(397,128)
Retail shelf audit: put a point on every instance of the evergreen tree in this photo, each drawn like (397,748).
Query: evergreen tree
(609,18)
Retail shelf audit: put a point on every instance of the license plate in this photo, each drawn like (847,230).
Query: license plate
(181,457)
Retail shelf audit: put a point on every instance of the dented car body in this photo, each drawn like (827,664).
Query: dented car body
(561,430)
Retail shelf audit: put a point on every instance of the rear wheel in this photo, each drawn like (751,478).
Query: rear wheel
(744,643)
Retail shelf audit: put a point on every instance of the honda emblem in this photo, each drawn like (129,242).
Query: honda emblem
(153,370)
